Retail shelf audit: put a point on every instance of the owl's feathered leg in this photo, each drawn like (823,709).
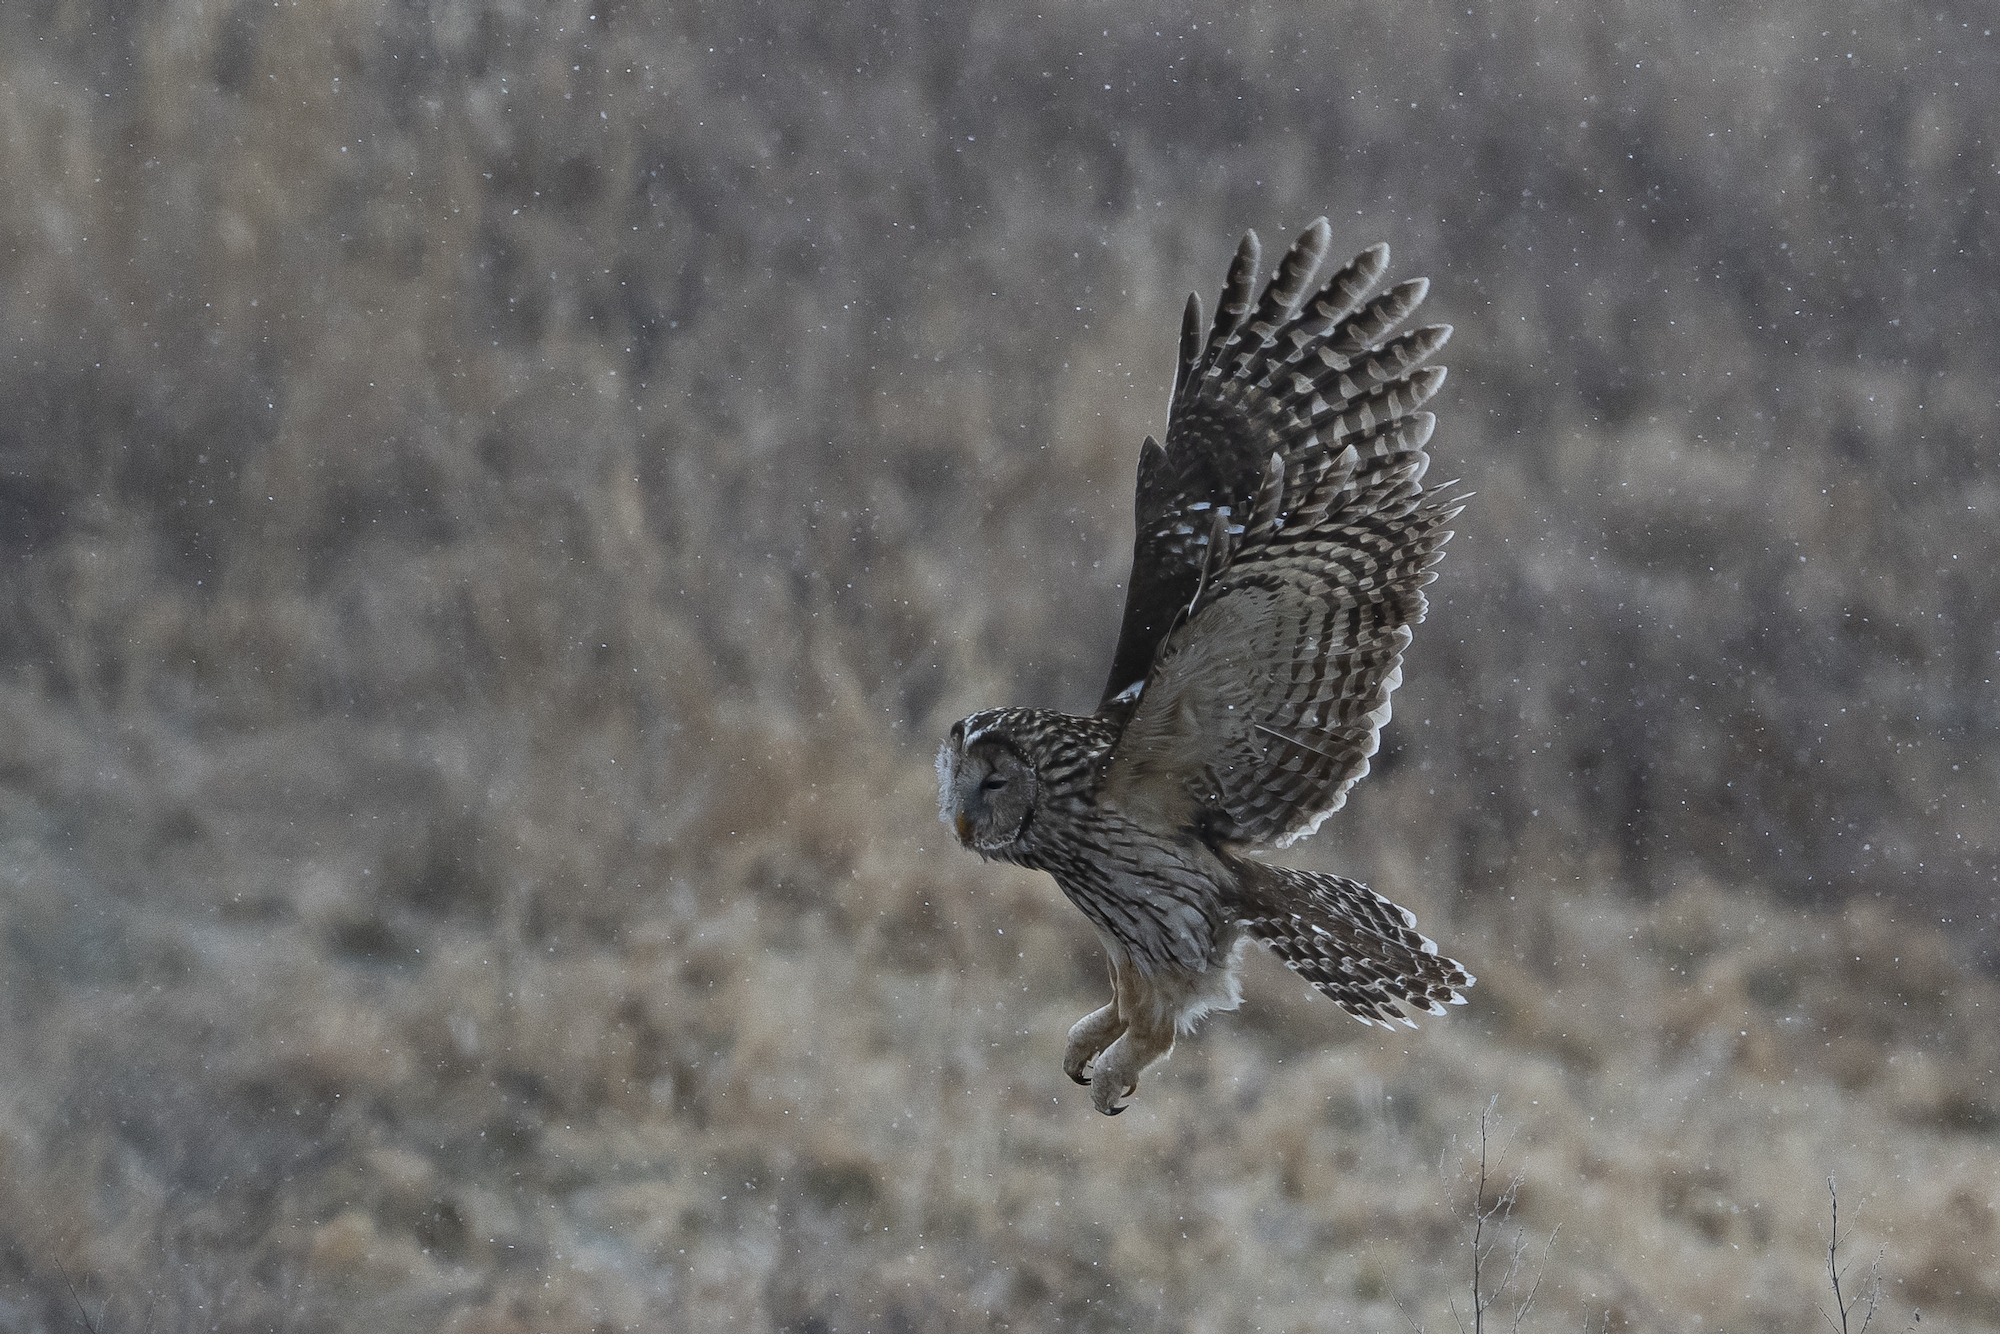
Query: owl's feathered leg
(1110,1048)
(1092,1034)
(1149,1026)
(1348,941)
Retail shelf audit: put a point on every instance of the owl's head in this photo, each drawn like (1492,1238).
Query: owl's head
(986,786)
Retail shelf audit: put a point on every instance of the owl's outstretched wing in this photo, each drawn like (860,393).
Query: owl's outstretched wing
(1281,620)
(1300,373)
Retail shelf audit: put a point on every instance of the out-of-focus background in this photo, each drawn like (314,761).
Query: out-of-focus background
(499,502)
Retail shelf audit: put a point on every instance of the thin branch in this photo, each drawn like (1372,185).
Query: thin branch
(81,1311)
(1493,1226)
(1871,1292)
(1521,1311)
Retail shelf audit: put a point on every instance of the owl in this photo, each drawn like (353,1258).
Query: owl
(1284,539)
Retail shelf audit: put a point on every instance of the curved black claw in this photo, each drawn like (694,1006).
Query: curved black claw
(1118,1110)
(1079,1079)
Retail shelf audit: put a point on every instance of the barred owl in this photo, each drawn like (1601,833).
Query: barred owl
(1284,539)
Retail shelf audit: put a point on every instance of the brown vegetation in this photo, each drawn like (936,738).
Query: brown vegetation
(499,503)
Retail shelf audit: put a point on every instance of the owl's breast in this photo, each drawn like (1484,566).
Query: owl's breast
(1163,902)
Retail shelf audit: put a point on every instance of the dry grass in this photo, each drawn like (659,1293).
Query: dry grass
(500,502)
(771,1103)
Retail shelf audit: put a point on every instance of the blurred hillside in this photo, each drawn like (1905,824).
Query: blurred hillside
(500,501)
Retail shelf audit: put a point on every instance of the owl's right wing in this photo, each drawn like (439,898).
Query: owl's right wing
(1299,372)
(1270,683)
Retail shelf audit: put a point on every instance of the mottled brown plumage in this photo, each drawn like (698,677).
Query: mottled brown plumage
(1284,539)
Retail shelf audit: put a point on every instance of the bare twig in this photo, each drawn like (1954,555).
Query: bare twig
(1480,1215)
(1521,1311)
(1871,1292)
(1492,1214)
(81,1311)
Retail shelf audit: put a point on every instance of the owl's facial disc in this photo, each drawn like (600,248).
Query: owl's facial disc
(987,795)
(948,757)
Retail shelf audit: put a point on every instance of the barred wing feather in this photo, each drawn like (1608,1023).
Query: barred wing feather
(1283,584)
(1300,371)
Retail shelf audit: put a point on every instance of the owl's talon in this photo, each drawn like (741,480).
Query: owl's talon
(1111,1104)
(1087,1040)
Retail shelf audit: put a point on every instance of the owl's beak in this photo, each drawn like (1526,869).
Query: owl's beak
(964,830)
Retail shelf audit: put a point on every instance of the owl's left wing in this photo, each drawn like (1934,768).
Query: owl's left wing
(1267,697)
(1298,371)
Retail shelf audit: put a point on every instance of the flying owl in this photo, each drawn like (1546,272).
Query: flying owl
(1284,539)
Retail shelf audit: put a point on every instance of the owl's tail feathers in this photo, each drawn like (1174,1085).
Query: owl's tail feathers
(1348,941)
